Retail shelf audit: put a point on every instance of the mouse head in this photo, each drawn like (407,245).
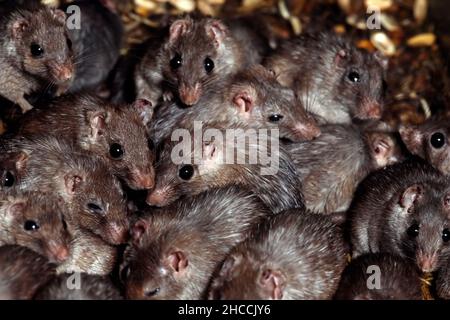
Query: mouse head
(194,165)
(154,268)
(12,166)
(119,136)
(97,201)
(37,221)
(259,97)
(243,277)
(429,141)
(40,43)
(383,148)
(361,84)
(197,53)
(421,223)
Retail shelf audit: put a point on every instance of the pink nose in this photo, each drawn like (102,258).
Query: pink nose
(190,95)
(157,198)
(143,180)
(371,110)
(58,252)
(118,233)
(63,72)
(306,131)
(427,263)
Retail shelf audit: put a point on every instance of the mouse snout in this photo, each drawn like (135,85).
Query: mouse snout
(371,110)
(427,262)
(189,94)
(306,131)
(57,252)
(117,233)
(158,198)
(62,72)
(142,179)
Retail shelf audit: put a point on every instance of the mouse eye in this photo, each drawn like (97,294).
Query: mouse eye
(116,151)
(413,231)
(36,50)
(95,208)
(151,293)
(209,65)
(354,77)
(176,62)
(186,172)
(437,140)
(30,225)
(446,235)
(8,180)
(275,117)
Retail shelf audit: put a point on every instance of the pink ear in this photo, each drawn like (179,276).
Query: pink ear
(340,56)
(447,201)
(410,196)
(19,27)
(138,230)
(59,16)
(413,139)
(178,28)
(177,261)
(272,283)
(217,30)
(144,109)
(16,209)
(21,161)
(72,182)
(229,266)
(244,102)
(98,123)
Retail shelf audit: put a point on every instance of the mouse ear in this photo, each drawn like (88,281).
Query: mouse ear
(178,28)
(244,100)
(137,230)
(340,57)
(16,208)
(97,122)
(217,31)
(144,109)
(18,27)
(21,161)
(413,139)
(447,201)
(381,147)
(382,59)
(72,182)
(227,271)
(59,15)
(272,283)
(177,261)
(410,196)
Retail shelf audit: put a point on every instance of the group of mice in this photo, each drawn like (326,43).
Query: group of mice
(74,171)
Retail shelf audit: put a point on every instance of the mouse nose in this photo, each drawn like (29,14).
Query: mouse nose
(306,131)
(62,72)
(157,198)
(118,233)
(427,262)
(142,179)
(189,94)
(371,110)
(57,251)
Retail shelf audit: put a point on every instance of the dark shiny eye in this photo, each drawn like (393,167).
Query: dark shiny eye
(275,117)
(176,62)
(186,172)
(413,231)
(354,77)
(437,140)
(116,151)
(152,293)
(30,225)
(95,208)
(446,235)
(209,65)
(9,180)
(36,50)
(125,273)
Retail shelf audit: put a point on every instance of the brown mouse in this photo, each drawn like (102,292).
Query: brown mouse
(176,249)
(430,142)
(403,209)
(399,279)
(294,255)
(331,166)
(22,273)
(94,196)
(212,158)
(196,53)
(335,81)
(36,51)
(36,221)
(116,134)
(91,288)
(252,97)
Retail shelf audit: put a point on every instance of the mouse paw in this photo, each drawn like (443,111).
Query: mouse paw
(167,96)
